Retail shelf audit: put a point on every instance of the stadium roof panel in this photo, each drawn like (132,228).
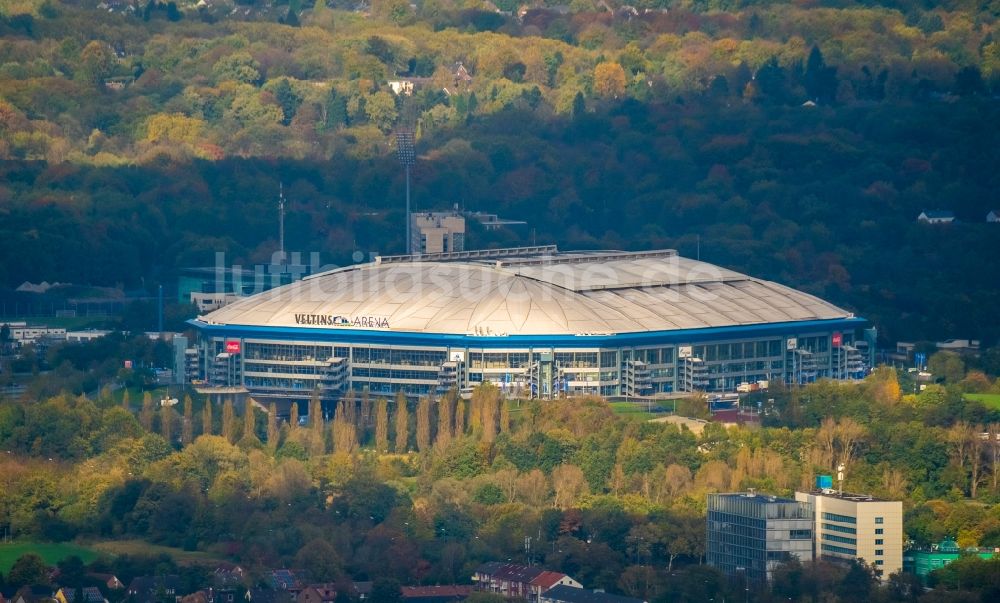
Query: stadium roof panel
(541,292)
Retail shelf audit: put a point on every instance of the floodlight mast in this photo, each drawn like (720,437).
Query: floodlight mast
(404,146)
(281,221)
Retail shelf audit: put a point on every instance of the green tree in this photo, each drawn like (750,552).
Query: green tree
(386,590)
(321,562)
(381,110)
(28,570)
(946,365)
(97,62)
(287,99)
(239,66)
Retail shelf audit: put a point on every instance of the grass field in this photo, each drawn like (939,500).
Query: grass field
(632,409)
(51,552)
(989,400)
(138,547)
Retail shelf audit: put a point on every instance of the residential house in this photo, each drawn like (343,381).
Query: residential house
(110,581)
(408,85)
(155,589)
(318,593)
(267,595)
(33,594)
(361,590)
(286,579)
(461,75)
(229,574)
(993,216)
(91,594)
(401,87)
(436,594)
(200,596)
(936,216)
(225,595)
(518,581)
(568,594)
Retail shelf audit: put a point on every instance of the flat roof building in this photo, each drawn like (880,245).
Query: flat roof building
(750,534)
(534,321)
(437,232)
(858,526)
(924,561)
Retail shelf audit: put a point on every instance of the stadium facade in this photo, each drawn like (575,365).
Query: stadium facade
(534,321)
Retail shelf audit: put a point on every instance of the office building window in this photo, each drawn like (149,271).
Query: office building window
(840,518)
(879,520)
(879,531)
(879,562)
(878,541)
(879,552)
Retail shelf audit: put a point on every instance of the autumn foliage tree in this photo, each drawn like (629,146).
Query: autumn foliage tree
(402,424)
(424,424)
(609,80)
(382,425)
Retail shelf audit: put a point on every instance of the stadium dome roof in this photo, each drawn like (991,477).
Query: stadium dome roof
(519,292)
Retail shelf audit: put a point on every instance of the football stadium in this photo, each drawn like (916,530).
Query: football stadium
(534,321)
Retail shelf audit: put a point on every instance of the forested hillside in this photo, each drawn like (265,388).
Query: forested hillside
(793,141)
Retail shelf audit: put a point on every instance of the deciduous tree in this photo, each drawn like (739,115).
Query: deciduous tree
(402,424)
(146,414)
(424,424)
(609,80)
(228,421)
(272,427)
(206,418)
(382,425)
(187,429)
(569,484)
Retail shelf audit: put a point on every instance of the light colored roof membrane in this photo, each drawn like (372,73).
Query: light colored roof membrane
(610,294)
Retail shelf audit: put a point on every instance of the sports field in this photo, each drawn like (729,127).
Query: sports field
(52,553)
(989,400)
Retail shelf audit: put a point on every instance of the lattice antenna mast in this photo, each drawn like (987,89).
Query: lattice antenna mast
(407,157)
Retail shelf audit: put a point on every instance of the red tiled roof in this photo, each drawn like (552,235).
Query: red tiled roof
(547,579)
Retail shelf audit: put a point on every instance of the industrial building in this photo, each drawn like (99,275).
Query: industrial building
(535,321)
